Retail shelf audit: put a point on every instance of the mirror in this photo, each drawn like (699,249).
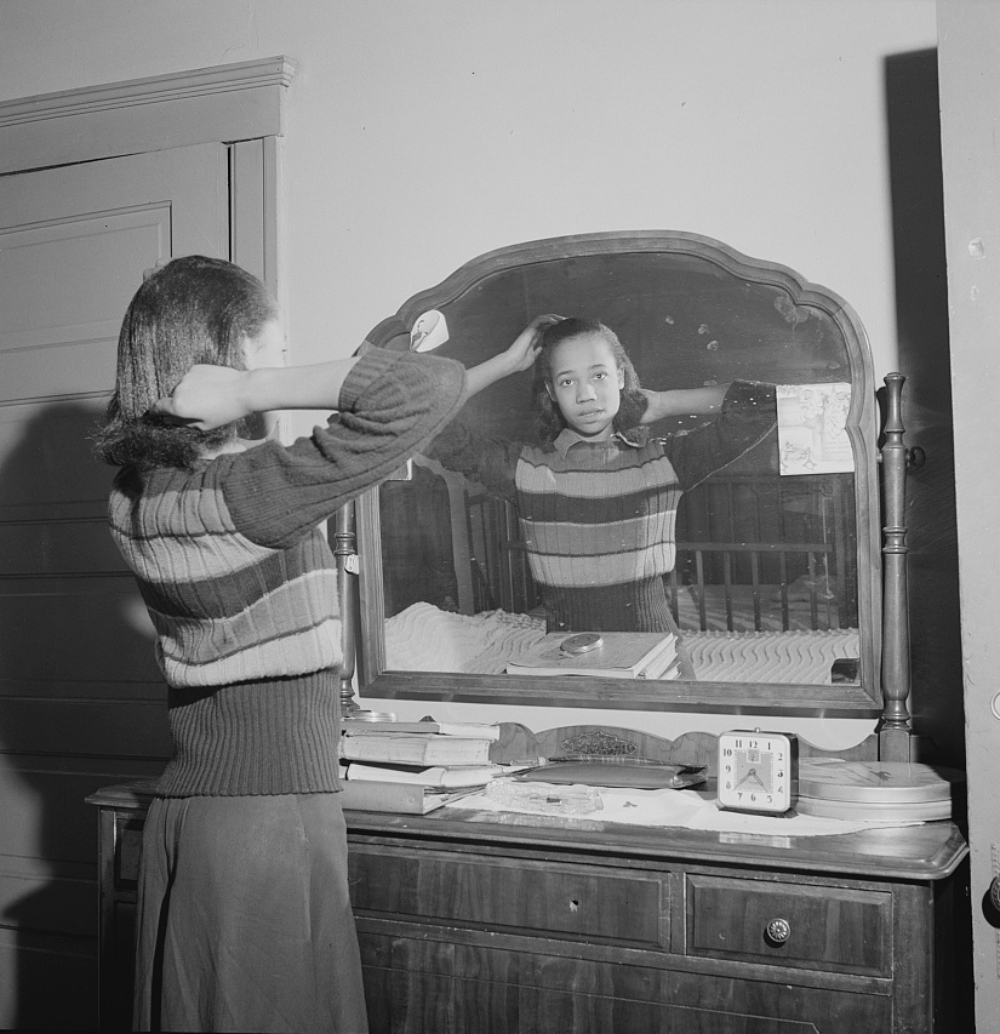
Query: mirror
(776,582)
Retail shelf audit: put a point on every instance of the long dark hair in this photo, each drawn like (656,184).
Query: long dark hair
(195,310)
(549,420)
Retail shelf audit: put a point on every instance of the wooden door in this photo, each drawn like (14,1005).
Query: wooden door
(82,703)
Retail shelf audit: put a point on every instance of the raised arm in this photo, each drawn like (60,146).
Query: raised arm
(519,356)
(391,405)
(212,396)
(684,402)
(748,415)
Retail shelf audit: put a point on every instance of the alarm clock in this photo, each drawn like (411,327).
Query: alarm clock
(758,771)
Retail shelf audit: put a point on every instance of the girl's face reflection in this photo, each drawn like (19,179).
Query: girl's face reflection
(586,385)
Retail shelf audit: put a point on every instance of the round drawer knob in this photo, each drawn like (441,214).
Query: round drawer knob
(778,931)
(995,892)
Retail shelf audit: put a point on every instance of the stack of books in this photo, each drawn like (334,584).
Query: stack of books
(414,766)
(615,655)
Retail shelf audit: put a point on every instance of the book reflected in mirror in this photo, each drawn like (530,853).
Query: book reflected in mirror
(620,655)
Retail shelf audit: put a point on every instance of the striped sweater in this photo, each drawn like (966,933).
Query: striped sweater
(598,518)
(241,586)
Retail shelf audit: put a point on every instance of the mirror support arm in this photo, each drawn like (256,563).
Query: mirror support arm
(895,728)
(345,551)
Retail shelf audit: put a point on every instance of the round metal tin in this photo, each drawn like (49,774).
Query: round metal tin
(875,782)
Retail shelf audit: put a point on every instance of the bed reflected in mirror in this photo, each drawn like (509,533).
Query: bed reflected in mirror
(774,585)
(764,588)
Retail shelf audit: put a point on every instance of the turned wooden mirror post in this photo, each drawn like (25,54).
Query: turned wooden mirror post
(895,728)
(345,543)
(345,552)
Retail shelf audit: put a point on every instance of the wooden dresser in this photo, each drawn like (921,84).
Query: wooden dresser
(483,922)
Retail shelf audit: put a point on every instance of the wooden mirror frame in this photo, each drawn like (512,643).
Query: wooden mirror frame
(856,700)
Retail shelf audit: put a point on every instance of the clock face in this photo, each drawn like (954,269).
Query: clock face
(756,771)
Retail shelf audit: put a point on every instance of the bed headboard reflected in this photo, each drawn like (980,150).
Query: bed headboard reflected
(776,586)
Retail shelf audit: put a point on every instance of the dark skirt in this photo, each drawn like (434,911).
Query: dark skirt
(244,920)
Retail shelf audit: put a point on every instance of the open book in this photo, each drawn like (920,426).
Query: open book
(620,655)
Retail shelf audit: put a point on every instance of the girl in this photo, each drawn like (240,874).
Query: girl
(244,917)
(597,497)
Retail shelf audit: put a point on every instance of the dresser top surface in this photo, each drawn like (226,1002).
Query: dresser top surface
(930,851)
(926,852)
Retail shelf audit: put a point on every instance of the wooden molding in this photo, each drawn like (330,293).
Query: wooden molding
(224,103)
(517,743)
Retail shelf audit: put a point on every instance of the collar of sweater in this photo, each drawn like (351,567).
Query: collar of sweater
(567,438)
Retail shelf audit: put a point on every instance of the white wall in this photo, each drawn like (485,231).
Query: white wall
(425,132)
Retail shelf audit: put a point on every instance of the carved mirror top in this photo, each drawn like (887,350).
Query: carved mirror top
(775,583)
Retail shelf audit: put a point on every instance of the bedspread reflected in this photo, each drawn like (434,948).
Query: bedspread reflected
(425,638)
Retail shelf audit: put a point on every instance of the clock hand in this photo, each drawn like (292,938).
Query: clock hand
(752,772)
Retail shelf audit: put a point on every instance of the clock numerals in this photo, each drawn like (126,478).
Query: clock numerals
(755,771)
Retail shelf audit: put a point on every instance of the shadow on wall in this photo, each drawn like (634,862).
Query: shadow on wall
(81,707)
(922,318)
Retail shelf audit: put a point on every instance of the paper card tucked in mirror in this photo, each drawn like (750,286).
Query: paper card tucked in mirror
(812,428)
(430,331)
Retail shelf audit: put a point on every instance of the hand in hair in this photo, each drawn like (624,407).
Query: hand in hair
(207,397)
(155,268)
(521,355)
(524,351)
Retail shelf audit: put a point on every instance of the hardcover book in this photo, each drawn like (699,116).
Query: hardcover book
(427,748)
(407,798)
(450,776)
(475,730)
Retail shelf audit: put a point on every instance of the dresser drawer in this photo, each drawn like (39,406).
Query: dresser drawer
(516,895)
(802,925)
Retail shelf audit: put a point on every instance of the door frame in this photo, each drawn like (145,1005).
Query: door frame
(969,82)
(242,105)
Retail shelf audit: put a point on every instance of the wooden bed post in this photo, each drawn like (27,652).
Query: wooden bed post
(895,732)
